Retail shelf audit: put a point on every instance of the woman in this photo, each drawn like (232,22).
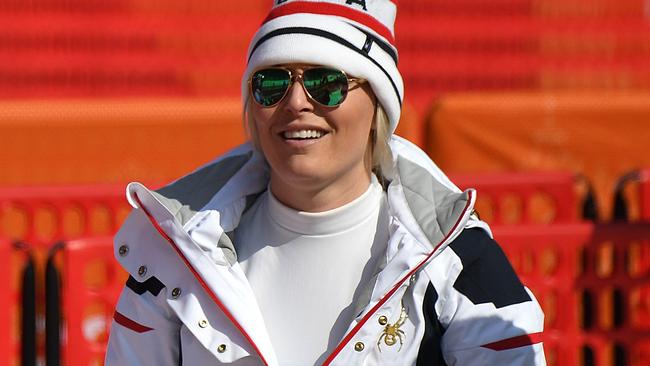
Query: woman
(325,241)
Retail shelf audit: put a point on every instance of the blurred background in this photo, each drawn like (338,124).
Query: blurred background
(542,105)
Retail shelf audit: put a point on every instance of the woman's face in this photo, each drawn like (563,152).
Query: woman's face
(333,158)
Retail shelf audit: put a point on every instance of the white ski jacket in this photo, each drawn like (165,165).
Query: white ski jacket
(444,294)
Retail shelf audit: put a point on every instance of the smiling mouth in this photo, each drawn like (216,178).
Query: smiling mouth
(303,134)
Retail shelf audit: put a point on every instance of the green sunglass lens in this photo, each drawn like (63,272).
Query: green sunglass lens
(328,87)
(268,86)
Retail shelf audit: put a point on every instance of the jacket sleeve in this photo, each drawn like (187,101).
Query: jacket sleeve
(144,330)
(486,314)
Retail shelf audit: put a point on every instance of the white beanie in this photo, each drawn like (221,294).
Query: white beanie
(356,36)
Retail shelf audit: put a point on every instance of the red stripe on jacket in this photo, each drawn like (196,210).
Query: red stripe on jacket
(515,342)
(131,324)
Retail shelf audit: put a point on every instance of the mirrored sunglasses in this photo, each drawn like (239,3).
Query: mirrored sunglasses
(325,86)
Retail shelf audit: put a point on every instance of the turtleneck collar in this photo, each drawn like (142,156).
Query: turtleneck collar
(327,222)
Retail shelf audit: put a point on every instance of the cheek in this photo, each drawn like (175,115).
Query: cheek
(260,120)
(360,108)
(360,118)
(261,116)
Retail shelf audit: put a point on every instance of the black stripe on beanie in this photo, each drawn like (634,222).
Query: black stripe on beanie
(330,36)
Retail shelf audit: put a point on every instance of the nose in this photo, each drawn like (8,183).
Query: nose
(296,101)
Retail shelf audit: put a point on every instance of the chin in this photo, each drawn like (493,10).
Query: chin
(304,175)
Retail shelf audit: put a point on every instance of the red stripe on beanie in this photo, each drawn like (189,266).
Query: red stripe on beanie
(323,8)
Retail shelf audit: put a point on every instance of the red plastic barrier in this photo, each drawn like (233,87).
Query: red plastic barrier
(7,338)
(616,282)
(547,259)
(13,262)
(617,273)
(42,215)
(632,196)
(593,282)
(523,198)
(91,281)
(644,193)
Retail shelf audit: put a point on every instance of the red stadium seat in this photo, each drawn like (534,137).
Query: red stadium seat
(177,48)
(126,48)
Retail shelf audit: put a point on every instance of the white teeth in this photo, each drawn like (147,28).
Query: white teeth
(302,134)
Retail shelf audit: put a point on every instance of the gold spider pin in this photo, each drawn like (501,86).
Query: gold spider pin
(392,333)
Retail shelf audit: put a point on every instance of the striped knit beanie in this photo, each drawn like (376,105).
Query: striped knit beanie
(356,36)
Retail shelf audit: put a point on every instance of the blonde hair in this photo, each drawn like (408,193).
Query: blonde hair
(382,156)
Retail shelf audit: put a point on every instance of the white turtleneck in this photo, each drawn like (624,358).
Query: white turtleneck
(307,268)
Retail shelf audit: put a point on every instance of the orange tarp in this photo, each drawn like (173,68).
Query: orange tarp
(113,141)
(600,135)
